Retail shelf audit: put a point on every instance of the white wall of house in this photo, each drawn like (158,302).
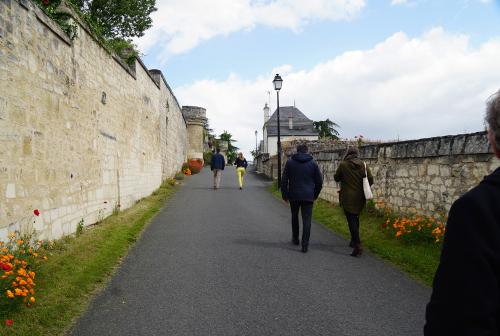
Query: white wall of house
(272,146)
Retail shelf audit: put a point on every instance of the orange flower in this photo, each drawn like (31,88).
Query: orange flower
(10,295)
(32,299)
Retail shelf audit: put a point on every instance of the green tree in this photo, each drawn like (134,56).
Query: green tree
(231,150)
(327,129)
(118,19)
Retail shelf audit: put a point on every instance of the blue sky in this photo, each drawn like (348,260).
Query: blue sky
(223,57)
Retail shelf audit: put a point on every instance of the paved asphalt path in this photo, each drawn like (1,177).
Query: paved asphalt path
(221,263)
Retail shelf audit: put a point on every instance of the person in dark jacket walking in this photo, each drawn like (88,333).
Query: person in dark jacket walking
(465,296)
(217,166)
(350,174)
(300,185)
(241,166)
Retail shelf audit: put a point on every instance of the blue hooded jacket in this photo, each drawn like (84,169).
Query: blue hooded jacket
(302,180)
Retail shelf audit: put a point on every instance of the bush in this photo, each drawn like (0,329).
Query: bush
(207,157)
(195,165)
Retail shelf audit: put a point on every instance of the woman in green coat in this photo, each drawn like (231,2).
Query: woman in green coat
(350,174)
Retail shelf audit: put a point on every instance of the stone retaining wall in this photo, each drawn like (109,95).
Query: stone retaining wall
(424,175)
(81,133)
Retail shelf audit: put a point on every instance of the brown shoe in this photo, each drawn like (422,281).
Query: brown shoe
(357,251)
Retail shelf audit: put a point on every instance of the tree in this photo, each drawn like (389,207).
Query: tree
(118,19)
(231,150)
(326,129)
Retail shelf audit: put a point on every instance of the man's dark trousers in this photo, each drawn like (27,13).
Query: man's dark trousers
(305,208)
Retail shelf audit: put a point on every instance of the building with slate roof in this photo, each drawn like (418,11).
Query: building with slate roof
(294,125)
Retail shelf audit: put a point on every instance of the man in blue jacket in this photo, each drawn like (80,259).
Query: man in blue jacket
(300,185)
(217,166)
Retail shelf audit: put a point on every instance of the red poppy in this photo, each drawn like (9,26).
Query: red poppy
(36,212)
(9,323)
(6,267)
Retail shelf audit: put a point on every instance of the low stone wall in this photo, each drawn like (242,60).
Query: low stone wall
(423,176)
(81,133)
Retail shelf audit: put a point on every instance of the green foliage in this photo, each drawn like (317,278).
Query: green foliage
(179,176)
(231,150)
(327,129)
(118,19)
(79,227)
(207,157)
(114,22)
(63,20)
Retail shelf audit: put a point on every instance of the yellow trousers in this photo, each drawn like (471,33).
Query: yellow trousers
(240,171)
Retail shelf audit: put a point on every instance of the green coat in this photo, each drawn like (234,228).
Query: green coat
(350,175)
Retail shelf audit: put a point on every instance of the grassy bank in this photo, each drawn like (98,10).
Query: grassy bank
(419,260)
(79,266)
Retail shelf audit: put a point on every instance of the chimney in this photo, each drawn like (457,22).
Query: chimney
(290,120)
(266,113)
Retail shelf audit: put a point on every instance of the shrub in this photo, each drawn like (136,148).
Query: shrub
(207,158)
(195,165)
(179,176)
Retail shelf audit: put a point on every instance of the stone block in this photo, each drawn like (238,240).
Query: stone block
(458,144)
(445,146)
(433,170)
(477,144)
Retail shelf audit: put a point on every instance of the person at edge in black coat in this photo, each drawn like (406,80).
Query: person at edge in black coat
(466,291)
(300,185)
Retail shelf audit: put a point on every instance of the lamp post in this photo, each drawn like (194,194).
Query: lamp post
(255,143)
(278,81)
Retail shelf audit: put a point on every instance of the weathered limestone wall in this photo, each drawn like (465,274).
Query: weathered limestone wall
(80,133)
(423,176)
(195,118)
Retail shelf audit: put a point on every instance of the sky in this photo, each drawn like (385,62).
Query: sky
(384,69)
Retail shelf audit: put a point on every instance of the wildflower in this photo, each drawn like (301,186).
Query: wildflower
(36,212)
(20,241)
(18,292)
(10,295)
(32,299)
(9,323)
(6,267)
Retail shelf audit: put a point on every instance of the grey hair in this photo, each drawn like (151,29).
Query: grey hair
(493,116)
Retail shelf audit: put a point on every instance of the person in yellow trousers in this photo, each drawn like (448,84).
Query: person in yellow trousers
(241,166)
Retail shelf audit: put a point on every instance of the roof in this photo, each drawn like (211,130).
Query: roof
(302,125)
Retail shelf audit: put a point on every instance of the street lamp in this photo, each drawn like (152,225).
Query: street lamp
(278,81)
(255,143)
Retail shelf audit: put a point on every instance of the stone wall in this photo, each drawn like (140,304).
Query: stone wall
(423,176)
(195,118)
(81,133)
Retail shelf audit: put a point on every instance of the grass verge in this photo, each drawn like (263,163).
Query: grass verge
(418,260)
(80,266)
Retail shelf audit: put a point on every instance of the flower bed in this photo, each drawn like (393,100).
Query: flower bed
(20,259)
(413,228)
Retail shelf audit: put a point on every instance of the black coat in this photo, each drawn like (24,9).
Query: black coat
(241,163)
(217,162)
(301,179)
(466,291)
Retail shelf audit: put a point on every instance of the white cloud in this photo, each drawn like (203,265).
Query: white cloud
(403,3)
(403,87)
(181,25)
